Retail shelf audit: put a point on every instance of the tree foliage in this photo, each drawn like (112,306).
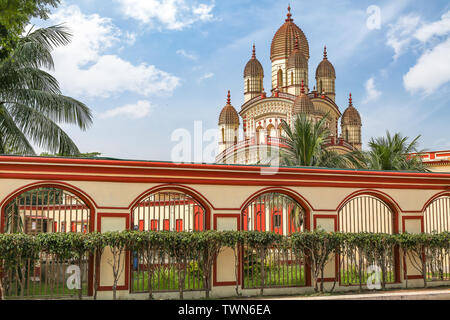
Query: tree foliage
(305,144)
(389,153)
(31,102)
(15,15)
(317,248)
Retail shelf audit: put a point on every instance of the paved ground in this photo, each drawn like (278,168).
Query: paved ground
(418,294)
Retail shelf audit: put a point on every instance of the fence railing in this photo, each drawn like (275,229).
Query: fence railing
(279,268)
(163,274)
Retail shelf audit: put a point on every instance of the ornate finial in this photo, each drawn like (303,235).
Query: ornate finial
(325,52)
(289,15)
(254,52)
(228,98)
(303,87)
(350,103)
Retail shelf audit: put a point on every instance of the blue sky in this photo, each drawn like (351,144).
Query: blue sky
(149,67)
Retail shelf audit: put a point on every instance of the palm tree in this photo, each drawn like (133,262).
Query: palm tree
(31,103)
(389,153)
(305,145)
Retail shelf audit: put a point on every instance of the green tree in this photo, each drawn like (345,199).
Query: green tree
(389,153)
(15,15)
(305,145)
(31,103)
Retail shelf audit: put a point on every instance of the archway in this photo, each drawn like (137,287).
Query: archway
(437,219)
(274,211)
(366,213)
(47,208)
(167,209)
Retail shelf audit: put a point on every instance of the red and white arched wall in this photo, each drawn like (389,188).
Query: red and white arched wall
(123,195)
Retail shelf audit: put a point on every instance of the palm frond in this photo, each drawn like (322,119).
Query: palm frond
(42,131)
(12,139)
(59,108)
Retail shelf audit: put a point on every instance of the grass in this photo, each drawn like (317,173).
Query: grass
(351,277)
(281,276)
(166,279)
(45,290)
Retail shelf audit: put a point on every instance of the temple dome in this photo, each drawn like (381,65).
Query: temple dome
(351,115)
(303,103)
(229,115)
(284,40)
(253,68)
(325,69)
(296,59)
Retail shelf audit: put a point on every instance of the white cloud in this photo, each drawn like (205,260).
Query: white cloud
(400,33)
(207,75)
(431,71)
(371,91)
(83,68)
(138,110)
(187,55)
(170,14)
(437,28)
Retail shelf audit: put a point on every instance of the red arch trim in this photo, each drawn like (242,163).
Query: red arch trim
(197,196)
(437,195)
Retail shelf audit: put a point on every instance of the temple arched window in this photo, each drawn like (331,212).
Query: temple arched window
(280,78)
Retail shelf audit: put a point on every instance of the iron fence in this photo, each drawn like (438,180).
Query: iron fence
(45,210)
(364,214)
(437,219)
(279,266)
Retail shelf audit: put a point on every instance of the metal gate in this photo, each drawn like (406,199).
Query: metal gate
(44,210)
(364,214)
(279,213)
(437,219)
(166,211)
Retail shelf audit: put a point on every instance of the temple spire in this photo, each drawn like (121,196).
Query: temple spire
(254,52)
(289,15)
(350,102)
(325,53)
(228,97)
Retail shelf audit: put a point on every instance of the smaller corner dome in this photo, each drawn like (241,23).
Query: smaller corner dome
(253,68)
(325,69)
(229,115)
(351,115)
(296,59)
(303,103)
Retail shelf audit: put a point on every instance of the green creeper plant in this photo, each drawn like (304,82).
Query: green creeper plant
(235,241)
(261,242)
(150,245)
(118,243)
(207,245)
(318,247)
(96,246)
